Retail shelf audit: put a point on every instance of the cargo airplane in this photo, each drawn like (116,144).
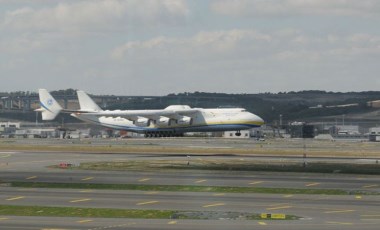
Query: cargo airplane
(174,120)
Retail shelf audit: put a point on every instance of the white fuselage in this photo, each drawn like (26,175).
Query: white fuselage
(174,120)
(203,120)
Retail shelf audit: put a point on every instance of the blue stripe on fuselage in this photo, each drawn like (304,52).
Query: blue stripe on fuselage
(201,128)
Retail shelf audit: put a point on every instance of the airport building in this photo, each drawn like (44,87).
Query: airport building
(10,125)
(374,134)
(301,130)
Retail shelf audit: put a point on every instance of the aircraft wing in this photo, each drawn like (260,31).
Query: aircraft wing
(151,114)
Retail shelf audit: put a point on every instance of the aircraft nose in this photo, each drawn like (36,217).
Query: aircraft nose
(258,120)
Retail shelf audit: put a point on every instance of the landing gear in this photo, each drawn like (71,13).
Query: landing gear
(162,134)
(238,134)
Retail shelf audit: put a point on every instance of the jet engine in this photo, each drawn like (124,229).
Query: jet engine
(185,120)
(164,122)
(142,122)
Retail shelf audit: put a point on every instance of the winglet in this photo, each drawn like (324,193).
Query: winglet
(49,106)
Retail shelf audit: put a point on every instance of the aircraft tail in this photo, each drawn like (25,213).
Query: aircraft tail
(86,103)
(49,106)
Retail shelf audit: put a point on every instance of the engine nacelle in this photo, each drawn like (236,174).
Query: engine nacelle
(142,122)
(164,122)
(185,121)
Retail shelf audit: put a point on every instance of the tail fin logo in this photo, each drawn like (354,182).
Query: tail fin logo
(50,102)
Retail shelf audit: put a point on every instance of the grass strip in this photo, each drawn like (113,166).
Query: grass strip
(153,148)
(223,165)
(15,210)
(186,188)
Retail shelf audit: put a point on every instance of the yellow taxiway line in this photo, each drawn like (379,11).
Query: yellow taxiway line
(312,184)
(16,198)
(256,182)
(148,202)
(81,200)
(84,221)
(280,207)
(87,178)
(213,205)
(339,211)
(30,178)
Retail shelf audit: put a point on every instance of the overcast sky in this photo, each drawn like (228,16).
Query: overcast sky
(156,47)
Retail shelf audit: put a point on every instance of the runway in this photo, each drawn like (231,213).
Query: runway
(317,211)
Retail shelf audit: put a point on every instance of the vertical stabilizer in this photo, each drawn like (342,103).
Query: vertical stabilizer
(49,106)
(86,103)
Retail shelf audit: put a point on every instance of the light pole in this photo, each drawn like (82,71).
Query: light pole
(343,118)
(36,118)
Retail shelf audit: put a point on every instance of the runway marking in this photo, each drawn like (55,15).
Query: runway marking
(281,207)
(200,181)
(256,182)
(87,178)
(30,178)
(148,202)
(87,190)
(213,205)
(370,215)
(53,229)
(358,197)
(370,186)
(7,155)
(262,223)
(312,184)
(288,196)
(172,222)
(340,223)
(4,218)
(277,204)
(27,189)
(84,221)
(144,179)
(16,198)
(339,211)
(218,194)
(81,200)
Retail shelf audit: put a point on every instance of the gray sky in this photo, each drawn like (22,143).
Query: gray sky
(156,47)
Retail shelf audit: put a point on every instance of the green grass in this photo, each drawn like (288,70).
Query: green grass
(15,210)
(185,188)
(223,165)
